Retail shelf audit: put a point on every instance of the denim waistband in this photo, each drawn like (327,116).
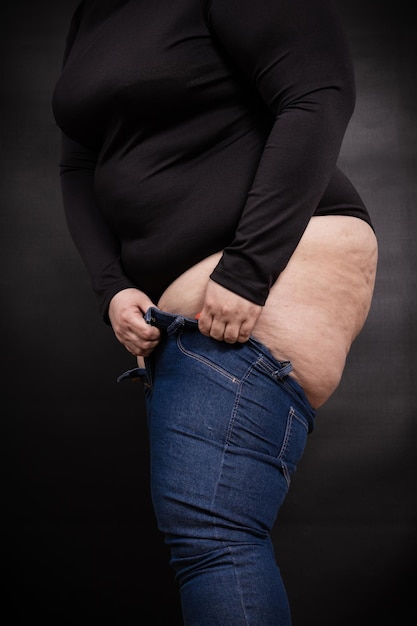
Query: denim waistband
(171,322)
(168,321)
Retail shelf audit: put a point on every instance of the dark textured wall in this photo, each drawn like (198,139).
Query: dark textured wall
(77,525)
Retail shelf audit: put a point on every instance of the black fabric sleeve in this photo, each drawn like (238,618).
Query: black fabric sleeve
(295,53)
(95,242)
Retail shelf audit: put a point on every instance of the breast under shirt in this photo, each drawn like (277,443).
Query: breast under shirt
(193,126)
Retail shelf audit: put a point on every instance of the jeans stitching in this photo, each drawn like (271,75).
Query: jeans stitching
(205,361)
(266,367)
(285,445)
(237,399)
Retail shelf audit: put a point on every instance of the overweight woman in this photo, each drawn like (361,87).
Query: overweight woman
(229,253)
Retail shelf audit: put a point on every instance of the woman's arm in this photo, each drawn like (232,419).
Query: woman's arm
(95,242)
(121,304)
(295,54)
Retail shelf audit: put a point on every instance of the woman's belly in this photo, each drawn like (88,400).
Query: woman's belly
(315,309)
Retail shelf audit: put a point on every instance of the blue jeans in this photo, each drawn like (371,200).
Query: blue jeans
(227,427)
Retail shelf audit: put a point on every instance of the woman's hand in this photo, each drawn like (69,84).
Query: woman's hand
(226,316)
(126,312)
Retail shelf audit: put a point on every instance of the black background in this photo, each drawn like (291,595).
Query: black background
(79,543)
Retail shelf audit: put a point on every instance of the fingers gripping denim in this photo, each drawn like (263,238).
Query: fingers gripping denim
(227,427)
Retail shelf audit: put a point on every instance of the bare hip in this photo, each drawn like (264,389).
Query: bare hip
(317,306)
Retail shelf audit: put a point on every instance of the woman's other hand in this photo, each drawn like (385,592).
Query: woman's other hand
(227,316)
(126,311)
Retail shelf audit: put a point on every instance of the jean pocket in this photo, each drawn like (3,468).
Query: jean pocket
(216,355)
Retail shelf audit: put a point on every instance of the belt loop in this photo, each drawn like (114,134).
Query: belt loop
(148,315)
(177,323)
(284,371)
(167,321)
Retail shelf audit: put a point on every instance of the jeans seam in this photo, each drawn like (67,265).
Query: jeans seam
(284,446)
(238,396)
(239,586)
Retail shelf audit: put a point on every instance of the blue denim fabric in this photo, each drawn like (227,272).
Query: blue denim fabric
(227,427)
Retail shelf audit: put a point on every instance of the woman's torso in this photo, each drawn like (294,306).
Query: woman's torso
(179,133)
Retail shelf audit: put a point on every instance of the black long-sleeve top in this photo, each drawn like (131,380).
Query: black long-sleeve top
(192,126)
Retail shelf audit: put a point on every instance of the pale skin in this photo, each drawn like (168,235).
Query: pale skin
(313,313)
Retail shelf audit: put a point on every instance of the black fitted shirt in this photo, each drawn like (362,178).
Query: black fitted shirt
(193,126)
